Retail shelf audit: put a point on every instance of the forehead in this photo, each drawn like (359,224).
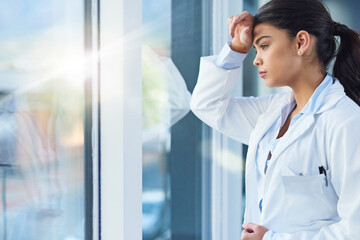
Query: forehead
(265,29)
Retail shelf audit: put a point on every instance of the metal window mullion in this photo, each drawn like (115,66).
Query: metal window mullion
(94,58)
(88,121)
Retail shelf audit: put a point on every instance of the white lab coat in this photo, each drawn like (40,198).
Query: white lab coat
(297,204)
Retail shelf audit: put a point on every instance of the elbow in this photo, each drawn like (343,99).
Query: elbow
(196,108)
(194,105)
(200,108)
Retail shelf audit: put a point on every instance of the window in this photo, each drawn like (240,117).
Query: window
(172,167)
(43,153)
(189,173)
(159,79)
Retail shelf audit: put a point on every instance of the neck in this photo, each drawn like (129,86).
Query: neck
(304,87)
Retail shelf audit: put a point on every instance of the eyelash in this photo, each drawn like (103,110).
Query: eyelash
(262,47)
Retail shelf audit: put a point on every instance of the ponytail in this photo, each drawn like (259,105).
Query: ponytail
(347,64)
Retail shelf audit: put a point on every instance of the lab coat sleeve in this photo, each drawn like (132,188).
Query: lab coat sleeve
(344,162)
(212,101)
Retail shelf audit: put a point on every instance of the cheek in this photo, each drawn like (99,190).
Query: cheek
(283,67)
(284,63)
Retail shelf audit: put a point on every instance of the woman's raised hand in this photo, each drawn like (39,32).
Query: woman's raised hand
(240,29)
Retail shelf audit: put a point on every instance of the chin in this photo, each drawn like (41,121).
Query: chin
(270,83)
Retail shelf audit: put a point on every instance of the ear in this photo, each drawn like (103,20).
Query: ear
(303,41)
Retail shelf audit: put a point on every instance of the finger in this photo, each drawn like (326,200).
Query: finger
(230,19)
(250,226)
(245,235)
(246,19)
(231,26)
(237,19)
(247,30)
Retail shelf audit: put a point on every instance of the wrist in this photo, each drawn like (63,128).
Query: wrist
(239,47)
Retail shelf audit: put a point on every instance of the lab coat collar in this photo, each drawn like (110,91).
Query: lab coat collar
(326,95)
(296,131)
(330,94)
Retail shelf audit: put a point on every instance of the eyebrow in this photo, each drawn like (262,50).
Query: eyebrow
(259,39)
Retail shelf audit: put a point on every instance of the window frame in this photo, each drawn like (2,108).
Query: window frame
(121,127)
(92,120)
(227,183)
(120,120)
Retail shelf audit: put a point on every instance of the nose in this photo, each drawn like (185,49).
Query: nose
(257,61)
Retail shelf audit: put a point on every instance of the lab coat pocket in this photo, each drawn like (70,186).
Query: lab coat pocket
(303,184)
(303,198)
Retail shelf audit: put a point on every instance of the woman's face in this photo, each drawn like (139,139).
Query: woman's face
(277,59)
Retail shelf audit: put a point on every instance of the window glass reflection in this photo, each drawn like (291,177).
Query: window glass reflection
(41,120)
(165,102)
(156,135)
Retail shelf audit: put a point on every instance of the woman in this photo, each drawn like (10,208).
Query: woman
(303,162)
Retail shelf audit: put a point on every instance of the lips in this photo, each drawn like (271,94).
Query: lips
(262,74)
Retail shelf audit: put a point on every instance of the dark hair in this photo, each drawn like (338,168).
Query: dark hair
(313,17)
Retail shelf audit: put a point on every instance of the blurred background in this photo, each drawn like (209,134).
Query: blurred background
(190,174)
(41,119)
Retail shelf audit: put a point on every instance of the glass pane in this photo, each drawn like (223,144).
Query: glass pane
(41,119)
(156,118)
(165,103)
